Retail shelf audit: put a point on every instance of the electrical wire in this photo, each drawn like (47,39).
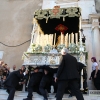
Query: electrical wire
(15,45)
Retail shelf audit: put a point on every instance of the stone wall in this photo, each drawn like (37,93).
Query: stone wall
(15,28)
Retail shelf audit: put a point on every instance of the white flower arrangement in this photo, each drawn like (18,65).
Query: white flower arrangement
(47,48)
(34,48)
(60,47)
(73,48)
(38,49)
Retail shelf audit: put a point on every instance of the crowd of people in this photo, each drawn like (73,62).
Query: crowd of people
(4,72)
(41,78)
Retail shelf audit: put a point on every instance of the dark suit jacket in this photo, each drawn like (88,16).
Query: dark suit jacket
(35,79)
(50,70)
(80,66)
(13,79)
(68,68)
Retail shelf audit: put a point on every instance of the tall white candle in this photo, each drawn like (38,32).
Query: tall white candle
(41,37)
(76,38)
(48,39)
(80,32)
(38,35)
(51,39)
(69,39)
(66,40)
(55,39)
(62,38)
(72,38)
(80,22)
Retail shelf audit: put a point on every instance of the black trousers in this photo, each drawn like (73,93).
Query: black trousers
(74,87)
(44,85)
(11,92)
(96,80)
(34,84)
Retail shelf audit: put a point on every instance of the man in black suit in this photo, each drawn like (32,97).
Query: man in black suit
(68,74)
(12,81)
(46,80)
(34,83)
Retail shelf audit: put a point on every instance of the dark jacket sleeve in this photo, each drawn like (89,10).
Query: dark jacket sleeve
(18,74)
(60,68)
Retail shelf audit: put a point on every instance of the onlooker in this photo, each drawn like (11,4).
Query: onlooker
(13,69)
(95,74)
(94,68)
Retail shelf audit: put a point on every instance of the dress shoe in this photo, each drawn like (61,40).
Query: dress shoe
(45,99)
(70,96)
(27,99)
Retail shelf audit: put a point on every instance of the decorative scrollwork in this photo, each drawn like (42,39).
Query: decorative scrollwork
(57,13)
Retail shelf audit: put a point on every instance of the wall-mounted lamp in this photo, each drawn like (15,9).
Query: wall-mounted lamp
(83,36)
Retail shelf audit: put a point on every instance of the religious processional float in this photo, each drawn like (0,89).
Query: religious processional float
(53,30)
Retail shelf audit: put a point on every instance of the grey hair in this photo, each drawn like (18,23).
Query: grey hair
(64,50)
